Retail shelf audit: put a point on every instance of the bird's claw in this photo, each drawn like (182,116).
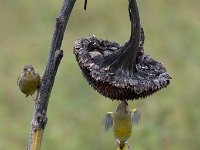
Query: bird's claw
(117,143)
(128,147)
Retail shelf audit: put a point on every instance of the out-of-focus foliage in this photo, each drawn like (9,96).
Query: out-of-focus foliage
(170,118)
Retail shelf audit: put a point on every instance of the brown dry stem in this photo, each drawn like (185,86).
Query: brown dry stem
(39,120)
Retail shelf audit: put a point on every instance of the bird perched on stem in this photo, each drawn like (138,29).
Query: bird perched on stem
(29,80)
(122,120)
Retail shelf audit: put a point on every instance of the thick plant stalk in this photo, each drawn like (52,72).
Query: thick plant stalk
(39,120)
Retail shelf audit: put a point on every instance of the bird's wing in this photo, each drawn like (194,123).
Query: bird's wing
(108,120)
(135,116)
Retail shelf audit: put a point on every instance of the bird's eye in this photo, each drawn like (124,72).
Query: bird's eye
(25,69)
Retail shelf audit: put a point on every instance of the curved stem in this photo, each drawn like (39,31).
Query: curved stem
(131,47)
(134,40)
(125,58)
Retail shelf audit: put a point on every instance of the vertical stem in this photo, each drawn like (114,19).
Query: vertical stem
(37,139)
(85,4)
(43,94)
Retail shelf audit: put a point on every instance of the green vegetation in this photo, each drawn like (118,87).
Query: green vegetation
(170,118)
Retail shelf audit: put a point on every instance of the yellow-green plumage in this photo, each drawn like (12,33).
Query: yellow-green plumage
(122,124)
(28,80)
(122,120)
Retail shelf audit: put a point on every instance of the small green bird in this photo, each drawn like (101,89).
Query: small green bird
(28,80)
(122,120)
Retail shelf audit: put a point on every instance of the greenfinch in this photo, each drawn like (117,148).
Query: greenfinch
(122,120)
(29,80)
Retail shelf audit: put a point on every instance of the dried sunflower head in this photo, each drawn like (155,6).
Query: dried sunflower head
(121,71)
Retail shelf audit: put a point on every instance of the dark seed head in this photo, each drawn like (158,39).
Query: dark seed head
(121,72)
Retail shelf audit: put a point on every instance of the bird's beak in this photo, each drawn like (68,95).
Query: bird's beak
(124,101)
(29,70)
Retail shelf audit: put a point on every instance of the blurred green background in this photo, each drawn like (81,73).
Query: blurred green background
(170,118)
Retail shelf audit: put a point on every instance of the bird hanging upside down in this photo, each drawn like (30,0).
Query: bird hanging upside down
(28,80)
(122,120)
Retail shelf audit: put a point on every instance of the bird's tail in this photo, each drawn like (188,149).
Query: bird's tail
(123,146)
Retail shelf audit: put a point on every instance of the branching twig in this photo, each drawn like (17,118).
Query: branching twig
(42,99)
